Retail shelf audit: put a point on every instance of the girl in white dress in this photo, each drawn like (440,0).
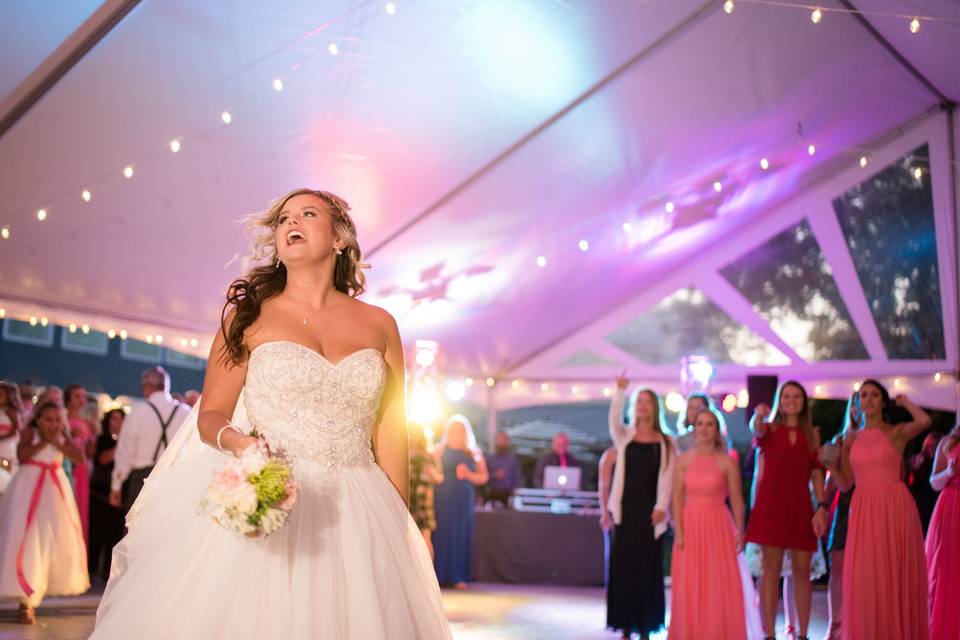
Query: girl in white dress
(319,374)
(41,543)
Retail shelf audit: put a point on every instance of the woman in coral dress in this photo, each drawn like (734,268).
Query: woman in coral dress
(84,439)
(710,598)
(943,541)
(885,574)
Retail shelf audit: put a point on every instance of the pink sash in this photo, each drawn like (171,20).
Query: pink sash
(45,468)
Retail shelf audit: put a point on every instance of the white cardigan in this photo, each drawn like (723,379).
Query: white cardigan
(622,434)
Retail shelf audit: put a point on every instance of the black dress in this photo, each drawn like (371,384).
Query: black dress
(635,600)
(841,517)
(106,521)
(925,495)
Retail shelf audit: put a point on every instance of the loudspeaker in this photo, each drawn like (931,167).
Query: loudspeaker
(761,390)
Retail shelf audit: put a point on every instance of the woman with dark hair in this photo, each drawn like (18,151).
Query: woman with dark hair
(782,516)
(943,541)
(836,543)
(885,574)
(319,376)
(640,504)
(106,520)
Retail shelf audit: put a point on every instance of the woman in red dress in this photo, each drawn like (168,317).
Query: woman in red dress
(783,517)
(943,541)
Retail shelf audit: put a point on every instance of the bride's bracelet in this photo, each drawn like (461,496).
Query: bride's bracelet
(220,434)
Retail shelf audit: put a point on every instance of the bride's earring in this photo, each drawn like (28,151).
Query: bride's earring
(339,252)
(277,266)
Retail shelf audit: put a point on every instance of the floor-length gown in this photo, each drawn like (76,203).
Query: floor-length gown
(885,575)
(41,545)
(635,598)
(81,435)
(349,563)
(453,503)
(943,558)
(707,598)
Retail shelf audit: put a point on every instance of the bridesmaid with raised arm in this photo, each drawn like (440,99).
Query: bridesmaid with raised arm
(783,517)
(885,573)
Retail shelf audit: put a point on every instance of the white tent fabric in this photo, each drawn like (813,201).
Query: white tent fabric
(477,140)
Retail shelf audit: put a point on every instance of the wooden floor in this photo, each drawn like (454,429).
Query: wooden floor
(485,612)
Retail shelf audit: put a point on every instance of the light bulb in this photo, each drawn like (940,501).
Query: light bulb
(936,376)
(863,161)
(44,322)
(491,382)
(515,384)
(627,227)
(85,329)
(544,387)
(5,233)
(277,84)
(111,334)
(584,245)
(764,164)
(123,334)
(728,7)
(42,215)
(128,172)
(86,195)
(816,16)
(541,261)
(918,173)
(717,187)
(915,25)
(226,117)
(333,48)
(390,8)
(811,150)
(72,328)
(175,146)
(669,207)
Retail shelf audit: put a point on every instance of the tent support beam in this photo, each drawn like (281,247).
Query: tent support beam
(96,27)
(950,109)
(893,51)
(706,8)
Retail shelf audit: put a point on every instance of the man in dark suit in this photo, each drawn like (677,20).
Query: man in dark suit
(558,456)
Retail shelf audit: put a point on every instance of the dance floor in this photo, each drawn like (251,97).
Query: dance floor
(485,612)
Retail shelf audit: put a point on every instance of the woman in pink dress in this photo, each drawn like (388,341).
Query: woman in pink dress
(708,600)
(84,439)
(943,541)
(885,577)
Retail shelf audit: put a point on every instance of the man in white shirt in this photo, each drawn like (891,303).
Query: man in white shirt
(146,432)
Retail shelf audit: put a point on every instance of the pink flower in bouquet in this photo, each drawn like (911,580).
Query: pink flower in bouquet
(228,479)
(287,503)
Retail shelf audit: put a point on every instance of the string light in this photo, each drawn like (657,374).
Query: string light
(85,329)
(111,334)
(915,25)
(918,173)
(390,8)
(183,342)
(86,195)
(468,382)
(175,146)
(491,382)
(717,187)
(729,403)
(128,171)
(33,321)
(764,164)
(123,334)
(515,384)
(669,207)
(728,7)
(627,227)
(811,150)
(856,386)
(3,313)
(575,390)
(817,389)
(226,117)
(584,245)
(72,328)
(541,261)
(5,233)
(149,338)
(277,84)
(607,392)
(896,382)
(194,343)
(333,48)
(544,387)
(159,339)
(44,322)
(936,376)
(42,215)
(816,16)
(863,161)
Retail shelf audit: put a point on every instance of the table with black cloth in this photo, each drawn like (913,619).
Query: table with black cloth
(538,548)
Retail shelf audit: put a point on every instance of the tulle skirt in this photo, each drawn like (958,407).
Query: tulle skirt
(349,563)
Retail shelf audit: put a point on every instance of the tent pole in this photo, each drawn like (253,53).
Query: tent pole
(950,108)
(491,417)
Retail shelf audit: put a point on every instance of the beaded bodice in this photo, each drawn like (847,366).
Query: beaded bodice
(309,408)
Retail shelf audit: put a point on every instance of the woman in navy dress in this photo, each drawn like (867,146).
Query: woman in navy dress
(464,468)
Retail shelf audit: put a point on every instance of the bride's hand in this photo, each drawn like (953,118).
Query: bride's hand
(240,443)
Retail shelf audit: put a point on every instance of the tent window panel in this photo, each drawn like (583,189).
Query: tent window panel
(687,322)
(790,284)
(888,224)
(93,342)
(25,333)
(140,351)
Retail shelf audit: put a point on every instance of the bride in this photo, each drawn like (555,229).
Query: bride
(320,375)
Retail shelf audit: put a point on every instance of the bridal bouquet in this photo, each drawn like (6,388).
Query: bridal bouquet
(251,494)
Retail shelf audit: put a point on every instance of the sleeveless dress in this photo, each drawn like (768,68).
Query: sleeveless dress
(943,558)
(81,435)
(349,563)
(41,544)
(885,575)
(708,595)
(783,512)
(453,504)
(635,598)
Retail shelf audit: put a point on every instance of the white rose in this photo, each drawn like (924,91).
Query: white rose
(253,460)
(244,499)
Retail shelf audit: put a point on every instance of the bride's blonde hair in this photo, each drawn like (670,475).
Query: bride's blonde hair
(267,276)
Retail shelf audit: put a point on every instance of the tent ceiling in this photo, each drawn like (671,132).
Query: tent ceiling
(471,138)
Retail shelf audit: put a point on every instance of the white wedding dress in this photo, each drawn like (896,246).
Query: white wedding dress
(350,562)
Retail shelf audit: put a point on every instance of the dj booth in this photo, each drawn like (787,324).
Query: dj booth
(549,537)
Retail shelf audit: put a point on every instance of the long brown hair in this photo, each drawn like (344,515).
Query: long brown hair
(804,420)
(268,278)
(659,420)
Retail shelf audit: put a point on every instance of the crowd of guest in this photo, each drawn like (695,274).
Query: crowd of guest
(892,574)
(67,477)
